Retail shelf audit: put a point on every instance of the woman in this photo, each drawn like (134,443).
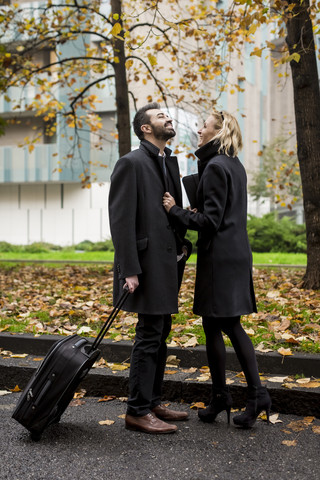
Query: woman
(224,288)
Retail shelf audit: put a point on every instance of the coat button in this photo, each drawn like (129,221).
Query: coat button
(169,249)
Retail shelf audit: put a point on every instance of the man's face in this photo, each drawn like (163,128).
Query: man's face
(161,125)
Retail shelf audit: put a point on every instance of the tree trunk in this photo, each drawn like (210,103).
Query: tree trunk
(307,107)
(121,85)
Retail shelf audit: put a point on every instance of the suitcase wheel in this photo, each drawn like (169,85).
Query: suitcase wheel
(35,436)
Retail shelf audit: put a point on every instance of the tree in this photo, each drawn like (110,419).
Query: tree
(300,40)
(183,47)
(278,177)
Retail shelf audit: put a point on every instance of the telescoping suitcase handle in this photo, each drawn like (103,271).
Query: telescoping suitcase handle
(110,319)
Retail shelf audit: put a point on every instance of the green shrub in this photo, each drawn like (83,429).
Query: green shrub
(7,247)
(267,234)
(89,246)
(105,246)
(85,245)
(192,236)
(36,248)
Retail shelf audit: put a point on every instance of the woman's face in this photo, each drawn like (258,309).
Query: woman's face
(207,132)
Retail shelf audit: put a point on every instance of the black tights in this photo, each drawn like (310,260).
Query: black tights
(216,351)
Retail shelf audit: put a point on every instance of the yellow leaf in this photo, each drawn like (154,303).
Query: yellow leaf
(129,63)
(116,29)
(152,60)
(107,398)
(316,429)
(289,443)
(285,351)
(31,148)
(15,389)
(106,422)
(198,405)
(295,57)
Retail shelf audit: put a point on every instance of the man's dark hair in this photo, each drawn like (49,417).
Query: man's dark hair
(142,118)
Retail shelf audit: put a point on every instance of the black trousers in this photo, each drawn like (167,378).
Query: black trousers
(148,361)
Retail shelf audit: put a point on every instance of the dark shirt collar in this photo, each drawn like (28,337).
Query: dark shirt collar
(153,150)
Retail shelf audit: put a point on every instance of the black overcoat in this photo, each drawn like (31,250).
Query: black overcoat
(144,237)
(224,286)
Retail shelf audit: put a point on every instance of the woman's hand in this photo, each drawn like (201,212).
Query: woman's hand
(168,201)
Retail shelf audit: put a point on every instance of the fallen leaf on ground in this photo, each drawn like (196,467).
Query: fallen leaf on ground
(107,398)
(80,393)
(172,361)
(316,429)
(77,402)
(289,443)
(262,348)
(189,370)
(277,379)
(19,355)
(15,389)
(274,418)
(285,351)
(122,416)
(106,422)
(299,425)
(198,405)
(170,372)
(119,366)
(303,380)
(4,392)
(229,381)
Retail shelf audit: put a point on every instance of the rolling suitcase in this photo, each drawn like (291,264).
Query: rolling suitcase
(52,386)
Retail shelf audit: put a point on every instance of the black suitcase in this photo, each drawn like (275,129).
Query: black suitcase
(52,386)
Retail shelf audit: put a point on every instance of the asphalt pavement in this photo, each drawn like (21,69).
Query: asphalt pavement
(80,448)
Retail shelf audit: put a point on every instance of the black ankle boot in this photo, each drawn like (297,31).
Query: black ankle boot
(221,400)
(258,400)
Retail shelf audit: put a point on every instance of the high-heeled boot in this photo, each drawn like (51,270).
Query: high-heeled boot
(221,400)
(258,400)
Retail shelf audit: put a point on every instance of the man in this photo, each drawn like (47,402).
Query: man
(149,260)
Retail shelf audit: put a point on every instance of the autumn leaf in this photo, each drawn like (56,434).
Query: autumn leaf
(198,405)
(107,398)
(15,389)
(289,443)
(285,351)
(106,422)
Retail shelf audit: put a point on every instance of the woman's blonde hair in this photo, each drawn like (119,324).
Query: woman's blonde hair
(229,134)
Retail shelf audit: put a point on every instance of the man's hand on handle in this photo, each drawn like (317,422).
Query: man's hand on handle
(132,283)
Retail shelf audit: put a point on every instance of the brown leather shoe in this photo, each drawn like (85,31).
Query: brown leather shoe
(149,424)
(166,414)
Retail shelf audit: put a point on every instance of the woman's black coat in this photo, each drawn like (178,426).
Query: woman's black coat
(143,235)
(224,286)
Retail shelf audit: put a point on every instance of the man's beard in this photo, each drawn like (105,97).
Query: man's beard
(162,133)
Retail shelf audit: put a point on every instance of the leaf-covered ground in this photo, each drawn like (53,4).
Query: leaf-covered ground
(74,299)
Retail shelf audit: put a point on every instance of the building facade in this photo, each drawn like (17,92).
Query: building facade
(41,195)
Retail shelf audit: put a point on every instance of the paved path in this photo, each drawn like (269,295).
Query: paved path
(79,448)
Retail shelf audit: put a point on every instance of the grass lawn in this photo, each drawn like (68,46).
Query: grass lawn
(107,256)
(68,299)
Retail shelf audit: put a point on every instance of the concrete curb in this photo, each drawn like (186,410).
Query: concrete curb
(271,362)
(179,385)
